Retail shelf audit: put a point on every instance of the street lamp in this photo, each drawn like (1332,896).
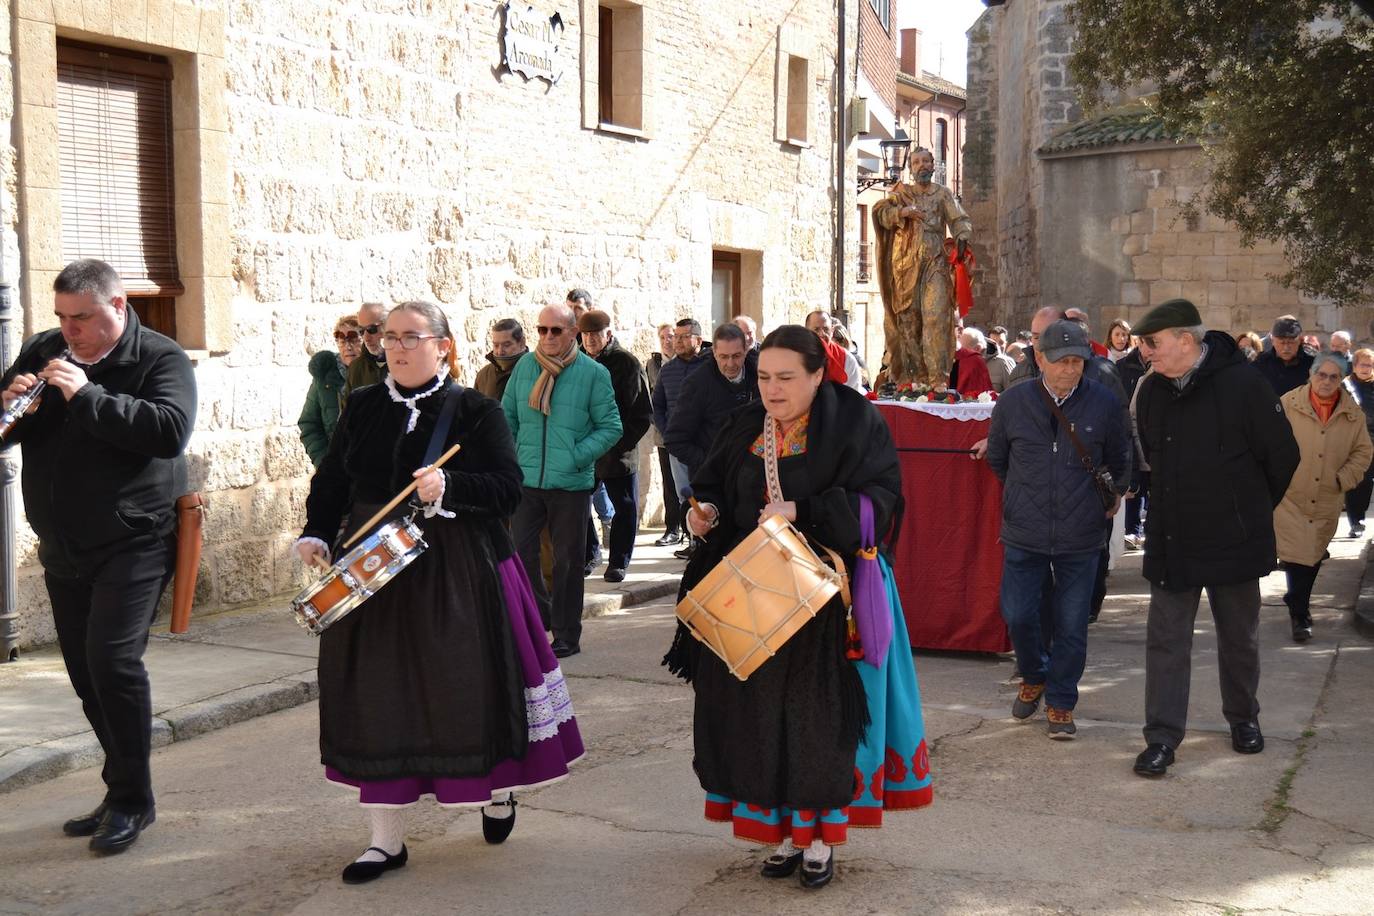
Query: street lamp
(894,153)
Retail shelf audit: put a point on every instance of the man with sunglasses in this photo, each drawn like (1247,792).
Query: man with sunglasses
(562,412)
(1221,456)
(370,367)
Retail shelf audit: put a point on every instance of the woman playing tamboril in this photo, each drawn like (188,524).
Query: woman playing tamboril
(442,683)
(815,740)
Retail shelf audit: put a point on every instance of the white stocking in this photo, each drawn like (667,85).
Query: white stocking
(817,852)
(499,812)
(388,832)
(786,849)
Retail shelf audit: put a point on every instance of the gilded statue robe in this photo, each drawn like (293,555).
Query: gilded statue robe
(915,283)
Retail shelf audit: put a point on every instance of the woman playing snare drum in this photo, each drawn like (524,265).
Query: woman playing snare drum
(813,741)
(442,683)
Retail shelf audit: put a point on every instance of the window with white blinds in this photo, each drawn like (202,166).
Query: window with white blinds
(115,156)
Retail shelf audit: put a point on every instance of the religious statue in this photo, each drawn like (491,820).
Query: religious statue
(914,275)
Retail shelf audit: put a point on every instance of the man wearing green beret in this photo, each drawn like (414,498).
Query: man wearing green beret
(1221,454)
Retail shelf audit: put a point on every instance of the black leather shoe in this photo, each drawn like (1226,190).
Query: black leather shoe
(117,831)
(496,829)
(685,553)
(363,872)
(1302,629)
(615,574)
(1155,760)
(668,539)
(778,866)
(814,875)
(86,824)
(562,649)
(1246,738)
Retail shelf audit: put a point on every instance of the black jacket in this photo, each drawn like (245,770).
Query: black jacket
(1363,393)
(1221,454)
(1284,377)
(1049,501)
(103,472)
(706,399)
(1131,368)
(636,410)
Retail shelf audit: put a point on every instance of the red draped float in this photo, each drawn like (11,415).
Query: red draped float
(948,561)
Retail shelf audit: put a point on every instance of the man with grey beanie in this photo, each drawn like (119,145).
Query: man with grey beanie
(1221,454)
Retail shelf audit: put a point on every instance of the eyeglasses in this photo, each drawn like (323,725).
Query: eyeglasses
(407,341)
(1327,376)
(372,328)
(351,337)
(549,332)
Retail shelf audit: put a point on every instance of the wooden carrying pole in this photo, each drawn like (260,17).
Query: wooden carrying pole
(396,500)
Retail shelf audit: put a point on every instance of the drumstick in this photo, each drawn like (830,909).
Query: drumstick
(396,500)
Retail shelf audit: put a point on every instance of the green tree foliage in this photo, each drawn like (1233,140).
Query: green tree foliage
(1283,93)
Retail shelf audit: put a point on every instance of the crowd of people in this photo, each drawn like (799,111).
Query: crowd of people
(1237,452)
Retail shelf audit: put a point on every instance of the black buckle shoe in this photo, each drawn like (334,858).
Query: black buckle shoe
(779,866)
(86,824)
(118,831)
(815,875)
(363,872)
(1246,738)
(496,829)
(1155,760)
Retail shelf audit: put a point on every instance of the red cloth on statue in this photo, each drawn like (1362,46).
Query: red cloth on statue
(948,559)
(972,373)
(834,362)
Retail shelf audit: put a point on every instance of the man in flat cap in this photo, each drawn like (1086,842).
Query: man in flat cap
(1221,454)
(1054,523)
(1287,365)
(617,469)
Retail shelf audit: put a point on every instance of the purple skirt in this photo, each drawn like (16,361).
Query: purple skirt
(554,741)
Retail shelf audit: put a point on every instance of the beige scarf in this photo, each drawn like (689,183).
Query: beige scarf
(541,395)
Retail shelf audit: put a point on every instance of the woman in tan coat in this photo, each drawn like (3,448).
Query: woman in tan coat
(1336,451)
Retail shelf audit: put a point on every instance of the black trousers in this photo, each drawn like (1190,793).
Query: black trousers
(624,495)
(1299,596)
(1357,500)
(565,512)
(672,502)
(102,627)
(1169,652)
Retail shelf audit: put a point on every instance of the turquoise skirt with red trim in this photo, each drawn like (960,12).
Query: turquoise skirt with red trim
(891,768)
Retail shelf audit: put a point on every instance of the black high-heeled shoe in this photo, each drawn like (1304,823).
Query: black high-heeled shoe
(363,872)
(814,875)
(496,829)
(780,866)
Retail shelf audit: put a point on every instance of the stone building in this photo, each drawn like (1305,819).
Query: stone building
(258,168)
(1085,209)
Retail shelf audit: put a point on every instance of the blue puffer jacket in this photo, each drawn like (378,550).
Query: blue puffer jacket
(559,452)
(1049,503)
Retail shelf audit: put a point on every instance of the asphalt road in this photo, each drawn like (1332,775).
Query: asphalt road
(1021,824)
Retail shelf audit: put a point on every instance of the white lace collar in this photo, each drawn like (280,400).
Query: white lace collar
(413,401)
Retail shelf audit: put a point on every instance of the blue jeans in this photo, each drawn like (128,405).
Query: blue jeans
(1057,661)
(601,503)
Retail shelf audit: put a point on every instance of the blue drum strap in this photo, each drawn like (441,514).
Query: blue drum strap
(441,428)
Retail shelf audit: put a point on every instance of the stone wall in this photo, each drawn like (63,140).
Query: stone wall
(376,150)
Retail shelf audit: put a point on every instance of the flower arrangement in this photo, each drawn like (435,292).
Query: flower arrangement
(987,397)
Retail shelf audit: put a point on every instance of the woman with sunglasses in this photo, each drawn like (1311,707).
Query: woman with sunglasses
(324,400)
(442,683)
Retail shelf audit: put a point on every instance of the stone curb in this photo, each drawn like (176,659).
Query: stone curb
(1364,604)
(37,763)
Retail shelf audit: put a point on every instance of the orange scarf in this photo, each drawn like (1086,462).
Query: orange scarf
(1324,408)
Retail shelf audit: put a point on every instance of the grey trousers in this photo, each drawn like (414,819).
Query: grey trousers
(565,512)
(1169,650)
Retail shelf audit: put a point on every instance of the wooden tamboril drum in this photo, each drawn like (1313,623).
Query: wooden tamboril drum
(359,575)
(759,595)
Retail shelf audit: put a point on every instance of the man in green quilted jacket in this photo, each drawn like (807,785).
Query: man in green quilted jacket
(562,411)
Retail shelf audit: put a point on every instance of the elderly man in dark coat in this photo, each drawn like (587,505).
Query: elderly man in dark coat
(1221,455)
(616,470)
(729,381)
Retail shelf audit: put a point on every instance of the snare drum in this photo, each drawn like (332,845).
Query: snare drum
(359,575)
